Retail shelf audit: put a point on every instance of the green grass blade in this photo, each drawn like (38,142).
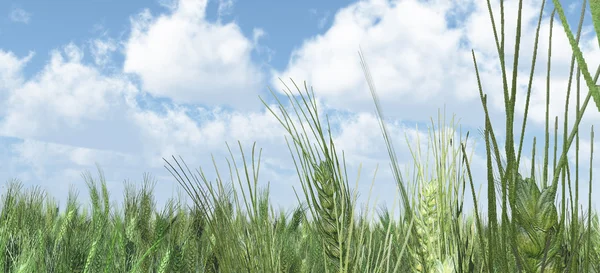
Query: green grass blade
(594,89)
(595,9)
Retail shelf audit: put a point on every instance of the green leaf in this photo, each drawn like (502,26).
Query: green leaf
(594,4)
(595,8)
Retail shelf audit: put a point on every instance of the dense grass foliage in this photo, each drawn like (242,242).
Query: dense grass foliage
(532,222)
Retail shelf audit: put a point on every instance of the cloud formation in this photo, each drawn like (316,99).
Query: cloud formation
(66,94)
(421,60)
(185,58)
(188,85)
(20,16)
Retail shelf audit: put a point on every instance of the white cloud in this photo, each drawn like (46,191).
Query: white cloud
(101,51)
(63,95)
(402,43)
(10,74)
(43,155)
(419,63)
(225,7)
(71,115)
(20,15)
(177,132)
(169,4)
(185,58)
(257,34)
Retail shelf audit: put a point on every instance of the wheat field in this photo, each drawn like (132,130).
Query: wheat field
(533,222)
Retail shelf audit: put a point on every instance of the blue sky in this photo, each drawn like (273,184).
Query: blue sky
(125,83)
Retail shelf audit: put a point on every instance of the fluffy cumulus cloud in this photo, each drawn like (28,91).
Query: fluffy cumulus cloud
(401,38)
(10,73)
(73,114)
(420,62)
(66,94)
(185,58)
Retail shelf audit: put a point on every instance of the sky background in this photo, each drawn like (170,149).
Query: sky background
(125,83)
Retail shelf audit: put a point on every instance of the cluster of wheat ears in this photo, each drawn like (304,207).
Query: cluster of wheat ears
(525,230)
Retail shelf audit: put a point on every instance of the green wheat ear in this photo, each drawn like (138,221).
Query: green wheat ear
(330,210)
(537,224)
(325,188)
(424,252)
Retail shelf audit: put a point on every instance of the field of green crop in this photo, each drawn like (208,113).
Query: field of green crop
(534,221)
